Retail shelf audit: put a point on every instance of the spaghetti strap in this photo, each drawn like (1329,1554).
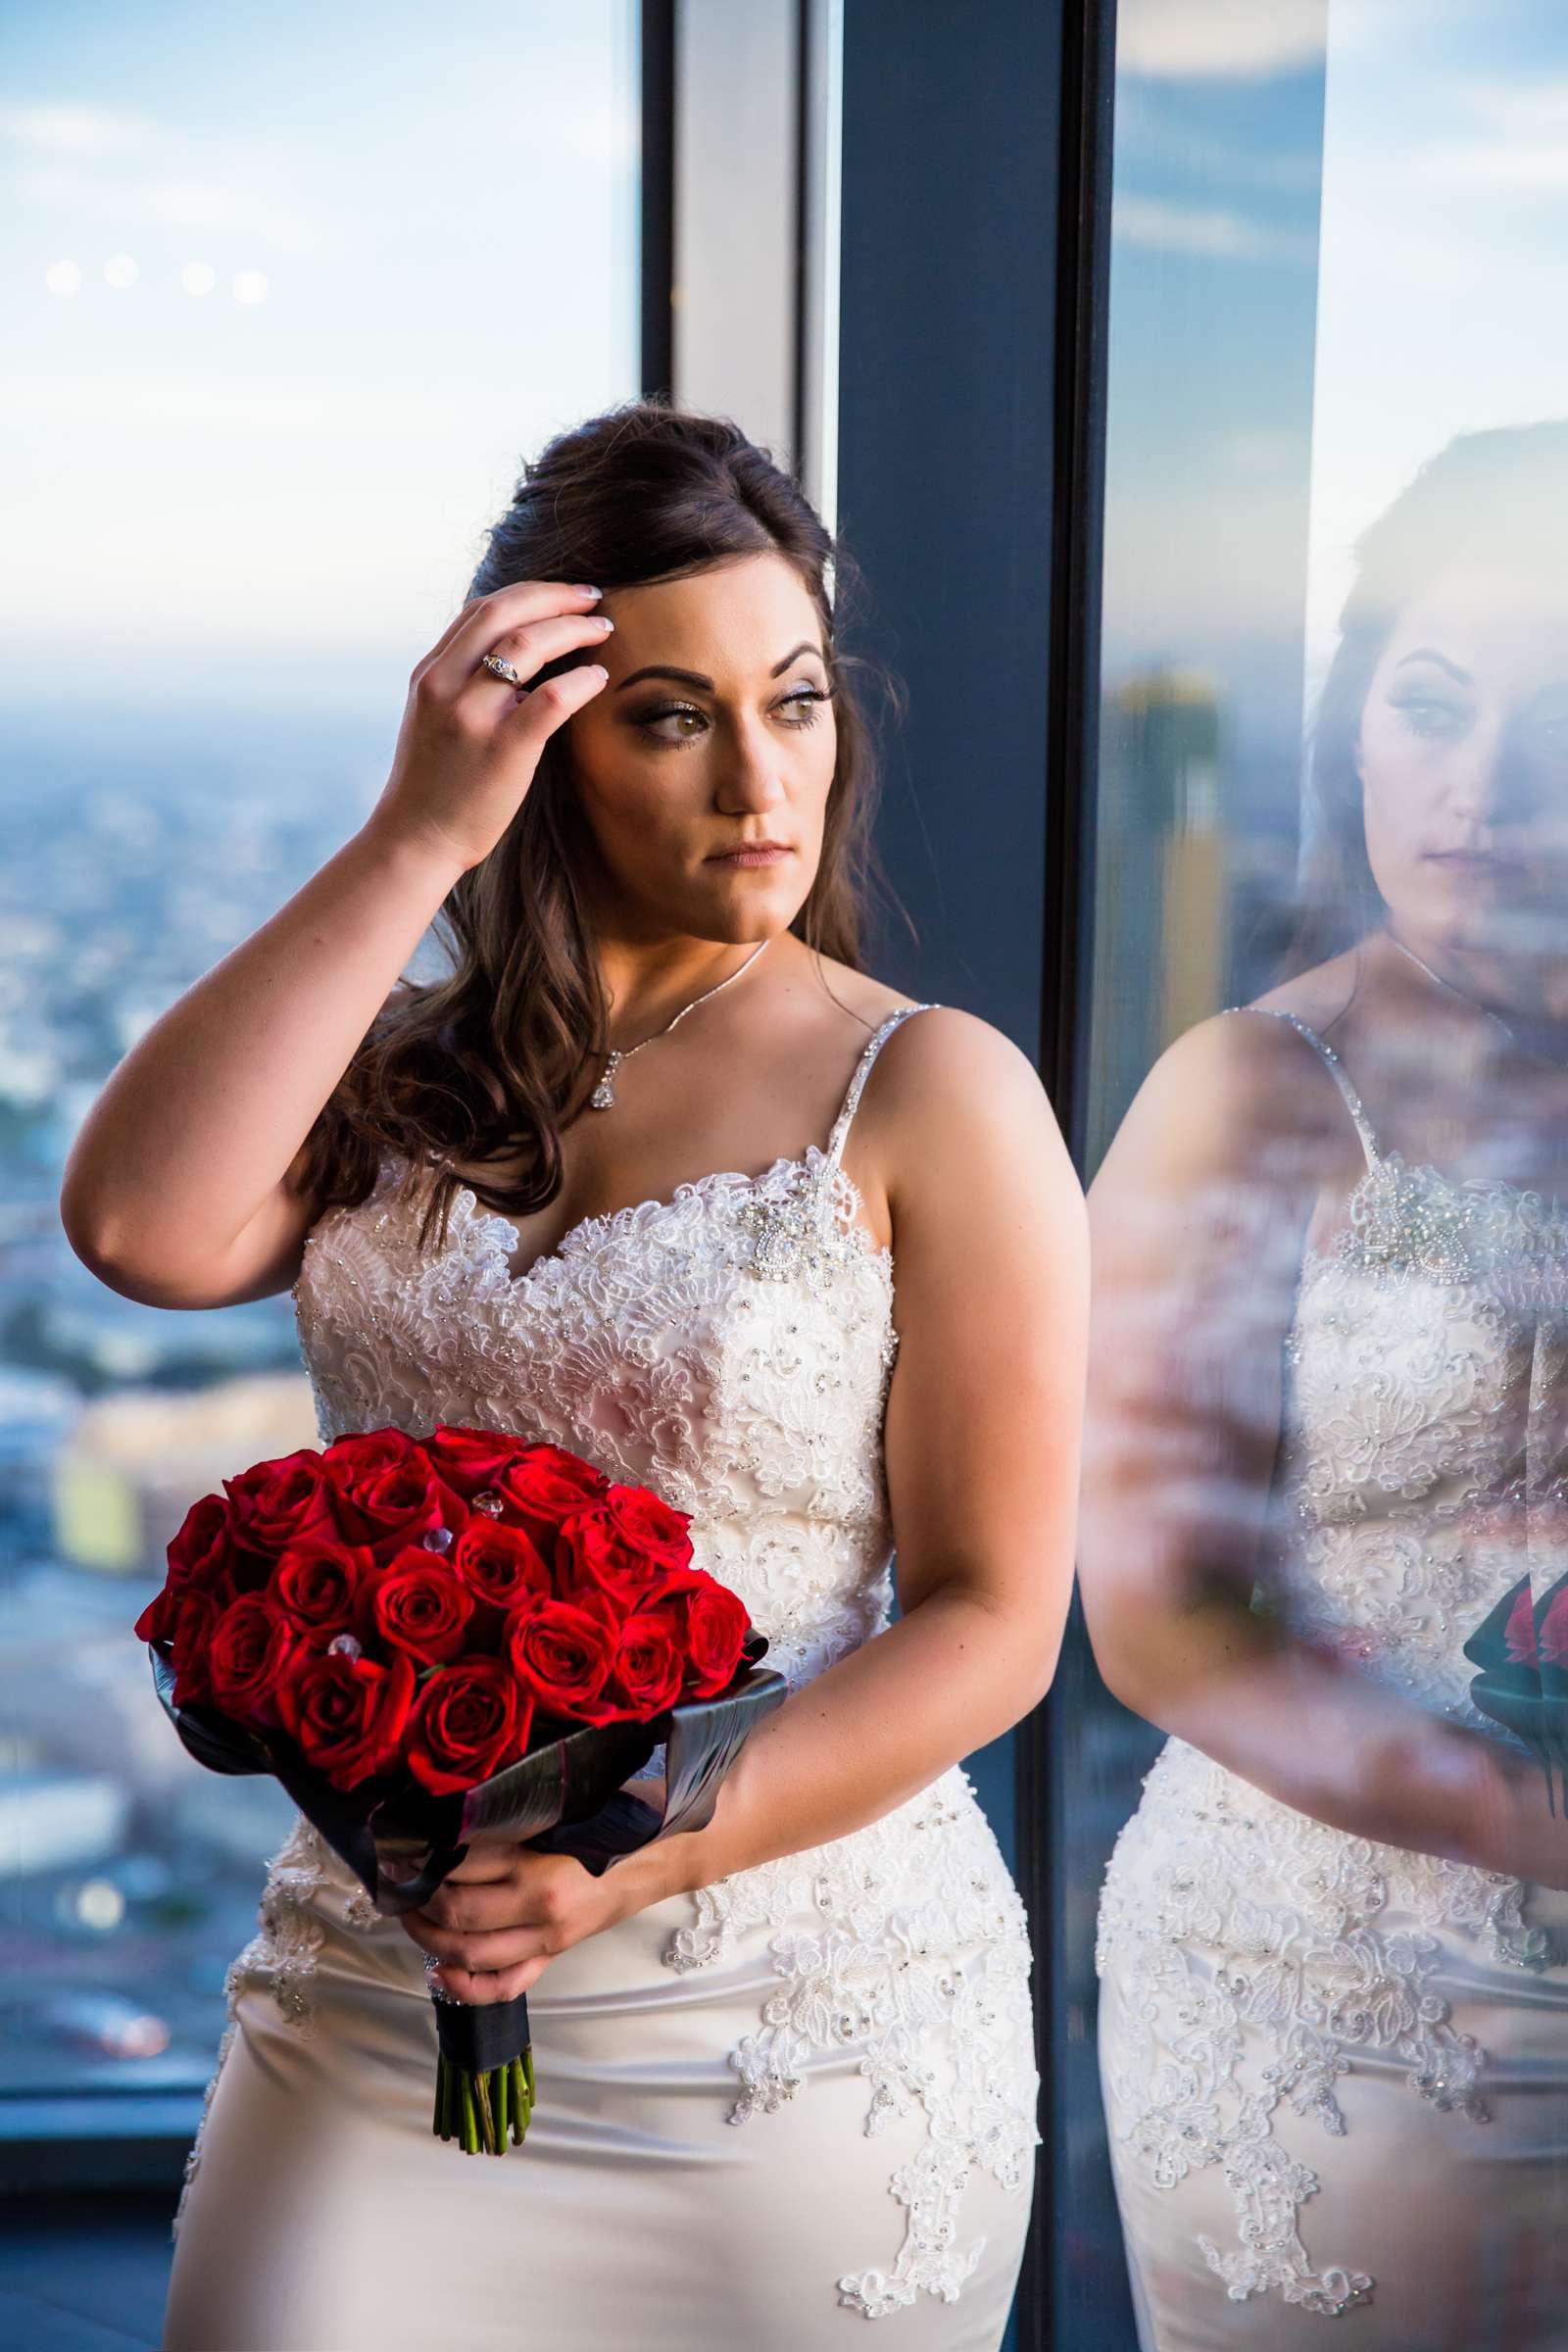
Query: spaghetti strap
(1353,1101)
(874,1044)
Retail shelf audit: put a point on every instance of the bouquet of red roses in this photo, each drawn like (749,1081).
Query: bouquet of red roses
(425,1640)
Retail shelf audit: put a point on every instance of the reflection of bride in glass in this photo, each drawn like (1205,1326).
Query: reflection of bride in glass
(1328,1430)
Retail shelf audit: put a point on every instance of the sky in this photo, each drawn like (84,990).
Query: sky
(1338,239)
(1444,233)
(417,233)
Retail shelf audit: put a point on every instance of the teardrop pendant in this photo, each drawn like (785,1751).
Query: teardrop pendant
(604,1094)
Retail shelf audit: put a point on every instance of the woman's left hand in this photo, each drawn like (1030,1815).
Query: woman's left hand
(506,1910)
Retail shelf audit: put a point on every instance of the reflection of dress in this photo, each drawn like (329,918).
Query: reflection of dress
(1337,2072)
(732,1349)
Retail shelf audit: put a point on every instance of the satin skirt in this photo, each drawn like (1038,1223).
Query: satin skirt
(323,2216)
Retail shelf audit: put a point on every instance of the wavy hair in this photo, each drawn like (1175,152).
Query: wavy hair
(495,1058)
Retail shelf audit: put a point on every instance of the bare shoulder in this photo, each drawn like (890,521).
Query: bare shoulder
(945,1063)
(1241,1087)
(956,1110)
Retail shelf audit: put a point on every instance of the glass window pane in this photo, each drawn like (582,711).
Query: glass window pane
(1323,1530)
(289,298)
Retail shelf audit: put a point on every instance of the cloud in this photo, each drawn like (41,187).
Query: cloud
(1237,40)
(1207,228)
(228,203)
(88,131)
(123,168)
(1520,140)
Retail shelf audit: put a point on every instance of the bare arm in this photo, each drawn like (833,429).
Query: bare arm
(178,1187)
(174,1188)
(1198,1217)
(982,1438)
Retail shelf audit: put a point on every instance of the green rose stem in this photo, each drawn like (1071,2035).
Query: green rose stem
(485,2112)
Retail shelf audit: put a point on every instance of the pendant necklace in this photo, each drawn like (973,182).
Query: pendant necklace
(1521,1044)
(604,1094)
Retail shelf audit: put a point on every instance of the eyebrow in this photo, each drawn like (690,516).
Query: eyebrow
(1424,653)
(695,677)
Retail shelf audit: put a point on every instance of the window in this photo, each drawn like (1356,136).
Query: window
(289,309)
(1336,241)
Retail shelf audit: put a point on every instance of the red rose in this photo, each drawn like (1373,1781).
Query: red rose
(648,1664)
(651,1525)
(468,1722)
(248,1650)
(317,1585)
(501,1566)
(158,1619)
(594,1555)
(421,1605)
(391,1501)
(277,1503)
(1519,1634)
(470,1459)
(199,1553)
(562,1651)
(362,1452)
(715,1628)
(1553,1634)
(347,1714)
(546,1485)
(190,1633)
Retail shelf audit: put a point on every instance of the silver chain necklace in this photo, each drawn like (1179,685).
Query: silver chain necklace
(604,1094)
(1521,1044)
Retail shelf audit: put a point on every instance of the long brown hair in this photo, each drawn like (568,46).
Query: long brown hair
(492,1059)
(1501,494)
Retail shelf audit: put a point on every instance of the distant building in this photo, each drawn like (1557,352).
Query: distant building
(1160,911)
(134,1463)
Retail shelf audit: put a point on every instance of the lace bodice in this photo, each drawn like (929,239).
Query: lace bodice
(1421,1470)
(1424,1442)
(730,1346)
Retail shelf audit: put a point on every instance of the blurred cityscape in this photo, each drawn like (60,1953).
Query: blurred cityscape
(141,851)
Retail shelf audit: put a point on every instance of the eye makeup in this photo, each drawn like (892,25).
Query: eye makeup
(804,698)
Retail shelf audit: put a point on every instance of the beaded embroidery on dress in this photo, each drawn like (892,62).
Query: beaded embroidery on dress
(731,1347)
(1257,1957)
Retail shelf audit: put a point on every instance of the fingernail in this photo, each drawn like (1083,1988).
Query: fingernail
(580,590)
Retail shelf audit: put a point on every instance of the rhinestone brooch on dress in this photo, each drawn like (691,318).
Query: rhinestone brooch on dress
(787,1236)
(1399,1220)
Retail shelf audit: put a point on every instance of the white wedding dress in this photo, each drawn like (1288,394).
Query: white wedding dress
(800,2099)
(1335,2072)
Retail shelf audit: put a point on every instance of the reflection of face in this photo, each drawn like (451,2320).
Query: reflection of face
(672,772)
(1463,759)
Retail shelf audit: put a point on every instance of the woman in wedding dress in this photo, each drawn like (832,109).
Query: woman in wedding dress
(1327,1434)
(635,1179)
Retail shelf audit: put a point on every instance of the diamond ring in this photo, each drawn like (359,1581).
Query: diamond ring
(500,667)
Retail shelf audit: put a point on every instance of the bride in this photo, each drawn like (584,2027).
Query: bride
(634,1179)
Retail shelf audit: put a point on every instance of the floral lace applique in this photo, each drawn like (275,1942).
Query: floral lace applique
(922,1954)
(1303,1974)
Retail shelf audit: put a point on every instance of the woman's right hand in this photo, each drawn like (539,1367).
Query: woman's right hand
(469,743)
